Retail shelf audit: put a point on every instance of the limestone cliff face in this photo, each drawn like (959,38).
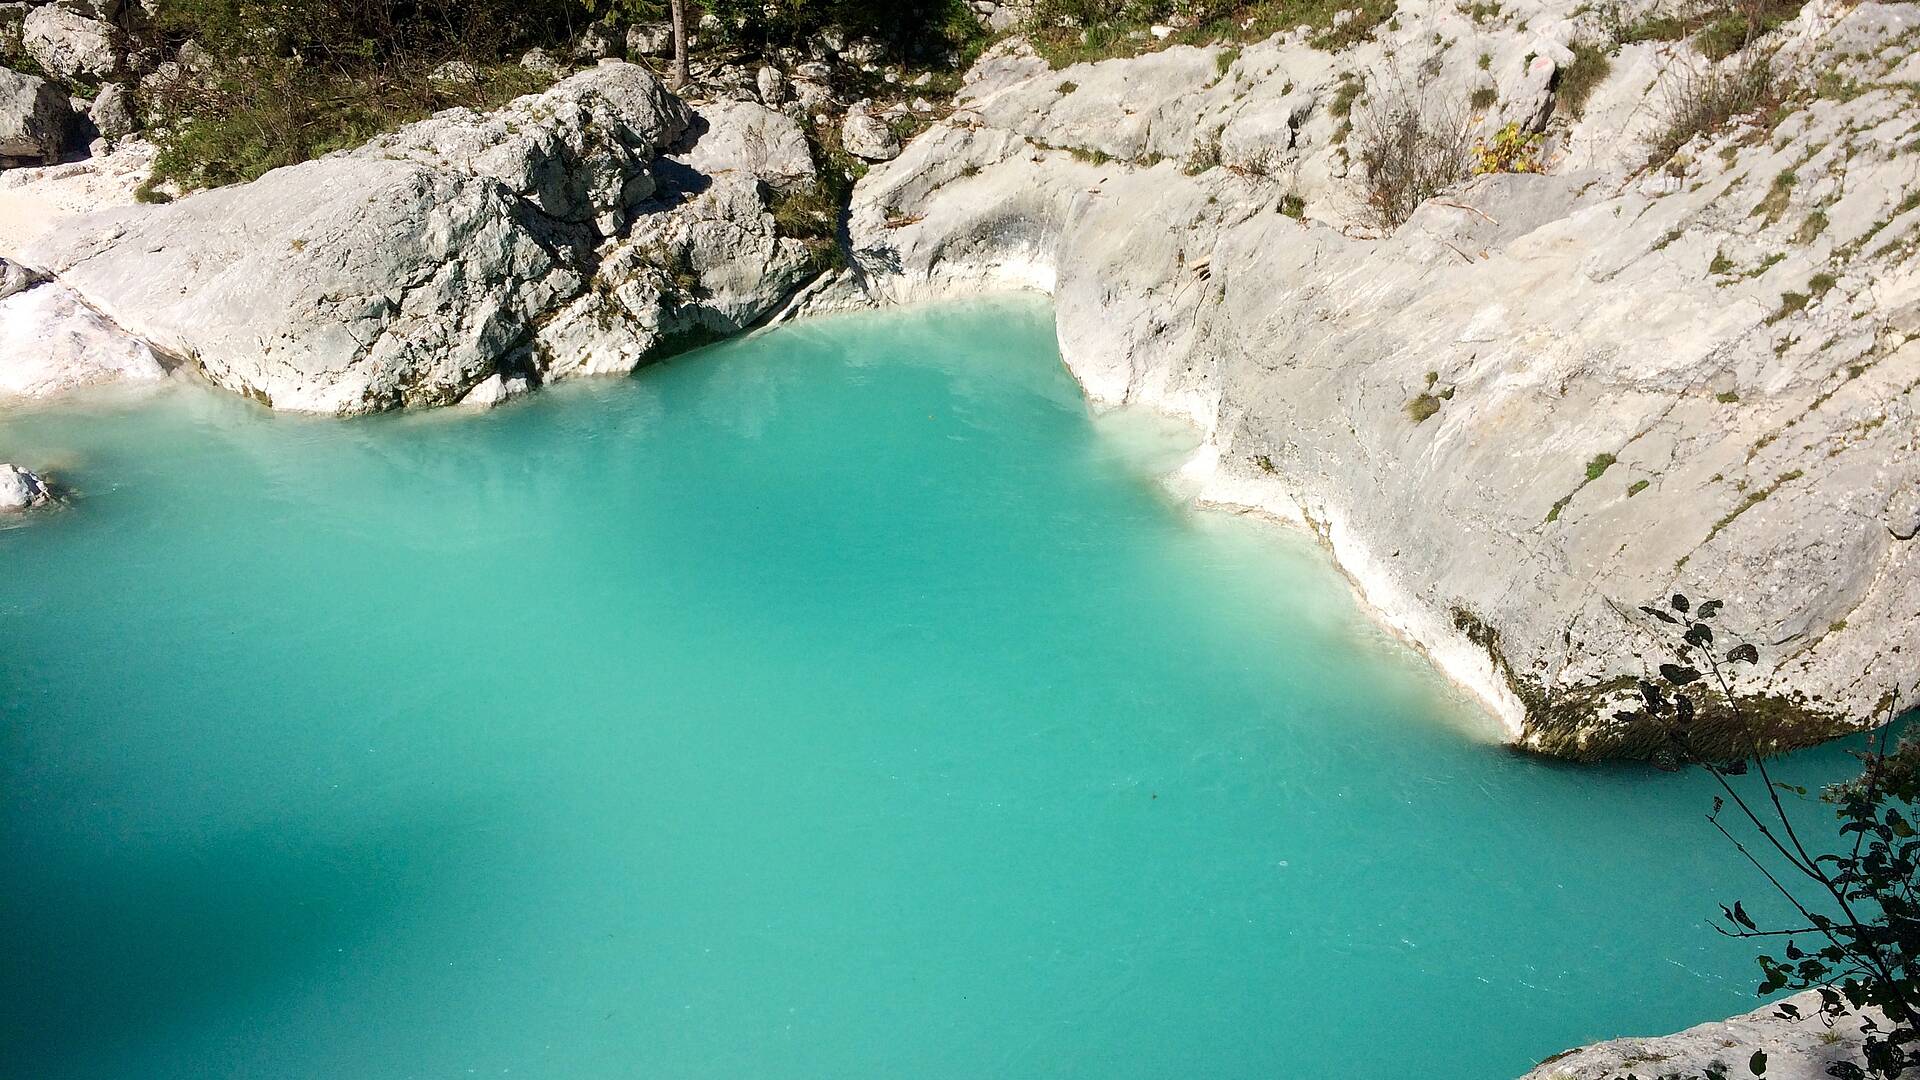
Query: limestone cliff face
(1539,403)
(456,259)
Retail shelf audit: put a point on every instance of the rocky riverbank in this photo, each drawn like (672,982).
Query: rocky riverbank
(1545,398)
(1613,367)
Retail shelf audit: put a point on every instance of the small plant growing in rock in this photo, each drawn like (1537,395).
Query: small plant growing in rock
(1575,82)
(1699,103)
(1410,149)
(1511,150)
(1422,407)
(1852,932)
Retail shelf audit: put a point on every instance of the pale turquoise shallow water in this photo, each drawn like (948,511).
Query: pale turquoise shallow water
(839,703)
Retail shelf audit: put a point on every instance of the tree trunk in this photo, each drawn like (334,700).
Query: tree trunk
(678,78)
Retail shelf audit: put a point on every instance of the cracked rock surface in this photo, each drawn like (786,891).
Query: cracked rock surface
(448,257)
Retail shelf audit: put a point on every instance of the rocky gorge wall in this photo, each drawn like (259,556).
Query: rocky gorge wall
(1544,400)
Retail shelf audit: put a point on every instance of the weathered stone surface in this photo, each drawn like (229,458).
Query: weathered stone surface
(403,273)
(542,63)
(1797,1048)
(34,118)
(112,112)
(462,259)
(68,44)
(867,136)
(709,263)
(579,152)
(741,137)
(455,73)
(771,85)
(1540,403)
(651,40)
(21,490)
(50,343)
(14,278)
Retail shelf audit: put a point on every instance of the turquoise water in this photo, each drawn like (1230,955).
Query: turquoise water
(840,703)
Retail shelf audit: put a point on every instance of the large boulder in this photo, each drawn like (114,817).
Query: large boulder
(67,44)
(402,273)
(742,137)
(21,490)
(710,261)
(112,112)
(35,116)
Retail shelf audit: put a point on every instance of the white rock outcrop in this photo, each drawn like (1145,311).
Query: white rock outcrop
(402,273)
(51,342)
(865,135)
(1797,1048)
(461,259)
(709,263)
(21,490)
(1543,401)
(34,118)
(68,44)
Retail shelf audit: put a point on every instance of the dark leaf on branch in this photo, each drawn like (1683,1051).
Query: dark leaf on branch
(1700,634)
(1661,615)
(1709,609)
(1898,824)
(1679,602)
(1758,1063)
(1748,653)
(1677,675)
(1651,693)
(1740,916)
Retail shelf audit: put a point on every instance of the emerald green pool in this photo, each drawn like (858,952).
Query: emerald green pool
(845,702)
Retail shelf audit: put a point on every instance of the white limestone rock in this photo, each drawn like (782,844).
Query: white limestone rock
(15,278)
(21,490)
(496,389)
(1797,1048)
(710,263)
(51,342)
(654,39)
(112,113)
(1541,403)
(542,64)
(742,137)
(34,118)
(867,136)
(771,85)
(402,273)
(456,73)
(67,44)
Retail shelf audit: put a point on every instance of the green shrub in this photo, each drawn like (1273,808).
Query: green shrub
(1575,82)
(1702,103)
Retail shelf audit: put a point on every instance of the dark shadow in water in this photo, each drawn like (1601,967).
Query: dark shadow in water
(190,936)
